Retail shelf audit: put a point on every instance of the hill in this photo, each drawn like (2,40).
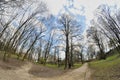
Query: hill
(108,69)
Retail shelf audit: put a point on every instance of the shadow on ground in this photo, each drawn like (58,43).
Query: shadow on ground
(12,64)
(42,71)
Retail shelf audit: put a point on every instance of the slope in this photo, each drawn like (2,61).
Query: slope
(108,69)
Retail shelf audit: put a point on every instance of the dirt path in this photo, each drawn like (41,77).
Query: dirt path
(81,73)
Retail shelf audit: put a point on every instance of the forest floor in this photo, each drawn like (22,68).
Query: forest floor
(30,71)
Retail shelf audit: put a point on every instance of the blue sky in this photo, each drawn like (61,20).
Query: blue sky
(83,9)
(89,6)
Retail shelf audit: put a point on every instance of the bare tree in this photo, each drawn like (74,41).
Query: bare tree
(38,34)
(109,23)
(39,50)
(97,38)
(48,45)
(70,28)
(91,51)
(24,29)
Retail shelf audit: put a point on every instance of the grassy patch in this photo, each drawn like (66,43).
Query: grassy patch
(106,69)
(55,66)
(77,65)
(51,65)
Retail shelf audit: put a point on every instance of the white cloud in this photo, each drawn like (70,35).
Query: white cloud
(62,54)
(54,5)
(89,5)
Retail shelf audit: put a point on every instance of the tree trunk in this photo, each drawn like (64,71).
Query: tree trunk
(67,53)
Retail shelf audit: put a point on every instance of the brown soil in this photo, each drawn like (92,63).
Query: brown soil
(29,71)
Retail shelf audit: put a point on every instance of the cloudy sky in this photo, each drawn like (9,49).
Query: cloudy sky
(89,6)
(85,8)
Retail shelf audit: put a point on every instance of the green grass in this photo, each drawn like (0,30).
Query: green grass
(109,62)
(77,65)
(51,65)
(106,69)
(54,66)
(13,56)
